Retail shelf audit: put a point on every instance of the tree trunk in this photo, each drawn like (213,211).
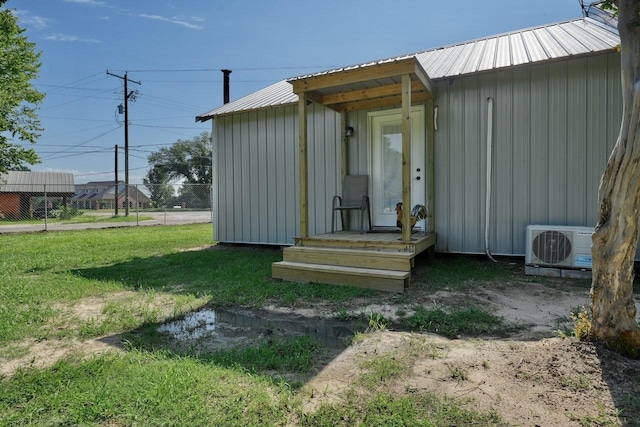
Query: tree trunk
(616,235)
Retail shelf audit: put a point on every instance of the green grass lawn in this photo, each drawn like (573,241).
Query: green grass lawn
(43,276)
(87,219)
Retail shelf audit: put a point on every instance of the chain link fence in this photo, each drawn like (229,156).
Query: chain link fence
(25,207)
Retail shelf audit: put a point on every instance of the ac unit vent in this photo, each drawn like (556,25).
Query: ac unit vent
(558,246)
(552,247)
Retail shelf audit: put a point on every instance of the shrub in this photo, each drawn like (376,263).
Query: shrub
(581,324)
(66,212)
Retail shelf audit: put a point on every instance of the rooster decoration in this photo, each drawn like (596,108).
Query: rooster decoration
(418,213)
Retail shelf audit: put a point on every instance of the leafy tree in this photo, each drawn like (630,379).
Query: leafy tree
(615,239)
(19,64)
(188,160)
(157,181)
(194,196)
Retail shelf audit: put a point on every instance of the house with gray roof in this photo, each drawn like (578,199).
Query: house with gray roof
(102,195)
(490,135)
(20,189)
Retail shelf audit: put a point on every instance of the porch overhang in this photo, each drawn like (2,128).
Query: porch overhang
(383,84)
(375,85)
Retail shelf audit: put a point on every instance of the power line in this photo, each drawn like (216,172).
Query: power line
(138,119)
(76,100)
(77,119)
(210,81)
(75,131)
(68,155)
(107,172)
(196,70)
(171,102)
(82,143)
(79,98)
(75,153)
(68,145)
(165,127)
(68,85)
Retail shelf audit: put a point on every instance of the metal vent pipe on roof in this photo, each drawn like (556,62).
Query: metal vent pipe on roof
(225,87)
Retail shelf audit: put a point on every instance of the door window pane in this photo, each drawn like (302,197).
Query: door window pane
(392,165)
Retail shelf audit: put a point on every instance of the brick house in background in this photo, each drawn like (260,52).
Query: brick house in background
(101,195)
(20,190)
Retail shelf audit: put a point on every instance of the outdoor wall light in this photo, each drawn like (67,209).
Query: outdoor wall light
(348,132)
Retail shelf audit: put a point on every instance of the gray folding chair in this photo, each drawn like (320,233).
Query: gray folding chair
(355,196)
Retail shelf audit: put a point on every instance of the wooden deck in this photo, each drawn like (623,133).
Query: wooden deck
(376,260)
(378,239)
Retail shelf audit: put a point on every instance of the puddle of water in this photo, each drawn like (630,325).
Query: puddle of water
(222,328)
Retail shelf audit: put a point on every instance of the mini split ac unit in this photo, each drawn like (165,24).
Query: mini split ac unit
(558,246)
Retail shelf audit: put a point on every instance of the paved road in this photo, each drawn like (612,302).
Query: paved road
(172,217)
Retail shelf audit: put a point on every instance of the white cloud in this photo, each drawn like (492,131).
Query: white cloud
(38,22)
(62,38)
(89,2)
(59,37)
(174,20)
(73,171)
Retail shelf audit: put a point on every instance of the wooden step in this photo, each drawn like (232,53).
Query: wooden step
(383,260)
(335,241)
(368,278)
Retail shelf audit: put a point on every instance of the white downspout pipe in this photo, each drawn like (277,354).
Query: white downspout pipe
(487,211)
(435,117)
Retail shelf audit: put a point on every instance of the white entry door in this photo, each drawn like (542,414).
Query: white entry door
(385,130)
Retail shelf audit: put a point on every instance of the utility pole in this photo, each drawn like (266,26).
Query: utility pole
(127,95)
(115,197)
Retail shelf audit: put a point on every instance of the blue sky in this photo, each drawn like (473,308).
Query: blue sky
(176,49)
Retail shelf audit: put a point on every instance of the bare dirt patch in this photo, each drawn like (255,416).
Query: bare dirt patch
(534,377)
(550,382)
(96,309)
(531,378)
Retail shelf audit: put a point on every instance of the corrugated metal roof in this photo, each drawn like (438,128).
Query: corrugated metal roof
(35,182)
(271,96)
(581,36)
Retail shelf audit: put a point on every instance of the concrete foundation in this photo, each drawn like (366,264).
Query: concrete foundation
(531,270)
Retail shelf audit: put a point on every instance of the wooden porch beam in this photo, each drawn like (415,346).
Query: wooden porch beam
(406,158)
(391,101)
(314,97)
(356,75)
(370,93)
(304,176)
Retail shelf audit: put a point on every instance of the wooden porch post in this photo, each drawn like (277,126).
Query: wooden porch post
(344,160)
(431,173)
(304,178)
(406,158)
